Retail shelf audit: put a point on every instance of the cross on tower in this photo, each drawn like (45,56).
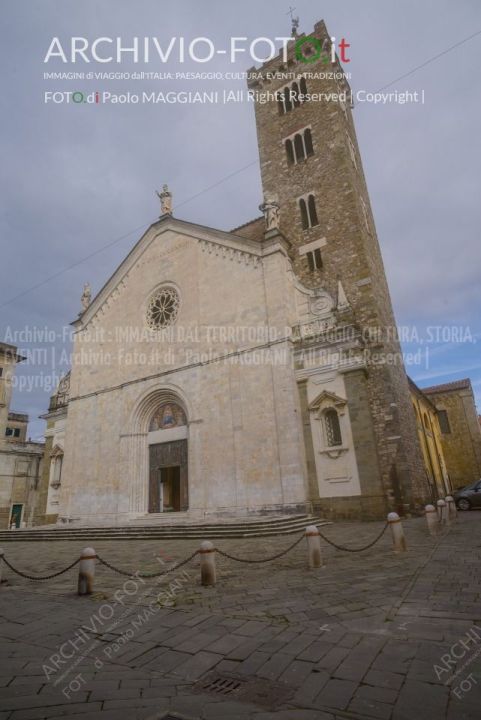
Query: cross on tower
(294,21)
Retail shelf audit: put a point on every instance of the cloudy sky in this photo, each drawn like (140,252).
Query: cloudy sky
(78,181)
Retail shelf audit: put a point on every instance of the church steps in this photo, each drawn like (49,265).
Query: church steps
(194,531)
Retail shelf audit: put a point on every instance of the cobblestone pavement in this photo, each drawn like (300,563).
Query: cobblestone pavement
(370,635)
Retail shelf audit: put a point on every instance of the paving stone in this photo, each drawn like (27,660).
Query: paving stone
(197,665)
(311,687)
(372,708)
(296,673)
(333,658)
(275,666)
(243,651)
(384,679)
(315,651)
(371,692)
(55,711)
(416,697)
(336,694)
(225,644)
(251,628)
(251,665)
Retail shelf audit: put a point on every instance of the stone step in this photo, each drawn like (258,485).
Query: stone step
(194,531)
(170,524)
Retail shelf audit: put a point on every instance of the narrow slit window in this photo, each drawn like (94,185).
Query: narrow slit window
(289,152)
(308,142)
(295,95)
(299,148)
(311,204)
(304,215)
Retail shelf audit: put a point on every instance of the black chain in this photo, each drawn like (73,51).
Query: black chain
(44,577)
(263,560)
(128,573)
(366,547)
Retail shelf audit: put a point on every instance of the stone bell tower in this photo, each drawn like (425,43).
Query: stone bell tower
(310,161)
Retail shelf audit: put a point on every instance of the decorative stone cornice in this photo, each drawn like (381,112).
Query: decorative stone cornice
(232,254)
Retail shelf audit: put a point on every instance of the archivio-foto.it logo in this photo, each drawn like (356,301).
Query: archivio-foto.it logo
(307,49)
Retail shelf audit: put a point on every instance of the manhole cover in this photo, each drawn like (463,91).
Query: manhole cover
(253,690)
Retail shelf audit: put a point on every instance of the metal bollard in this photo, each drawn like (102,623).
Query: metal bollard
(398,539)
(207,563)
(442,508)
(452,510)
(431,519)
(314,557)
(86,571)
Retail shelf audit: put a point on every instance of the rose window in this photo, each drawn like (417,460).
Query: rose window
(163,308)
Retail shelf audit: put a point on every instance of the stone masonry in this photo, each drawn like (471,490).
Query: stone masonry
(333,173)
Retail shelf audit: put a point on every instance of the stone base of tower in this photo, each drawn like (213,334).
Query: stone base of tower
(352,508)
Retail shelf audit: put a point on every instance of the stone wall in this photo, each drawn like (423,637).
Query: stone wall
(462,445)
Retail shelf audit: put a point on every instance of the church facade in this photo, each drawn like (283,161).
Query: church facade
(256,370)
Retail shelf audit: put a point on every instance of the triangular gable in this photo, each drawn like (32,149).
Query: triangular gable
(233,242)
(327,398)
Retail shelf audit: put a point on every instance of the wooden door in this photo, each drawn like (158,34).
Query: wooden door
(168,455)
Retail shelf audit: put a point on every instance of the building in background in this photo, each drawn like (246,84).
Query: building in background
(20,460)
(429,433)
(460,430)
(56,419)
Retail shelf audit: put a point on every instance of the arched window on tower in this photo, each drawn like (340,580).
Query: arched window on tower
(287,100)
(289,152)
(307,207)
(304,216)
(311,205)
(308,142)
(333,428)
(299,148)
(303,86)
(295,95)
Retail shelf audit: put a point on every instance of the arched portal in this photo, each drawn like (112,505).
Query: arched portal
(156,452)
(168,454)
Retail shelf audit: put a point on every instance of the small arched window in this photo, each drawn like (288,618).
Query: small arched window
(303,86)
(295,95)
(308,142)
(299,148)
(304,217)
(289,152)
(333,428)
(311,202)
(280,103)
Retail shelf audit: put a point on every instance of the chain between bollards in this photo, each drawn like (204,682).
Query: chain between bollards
(33,577)
(354,550)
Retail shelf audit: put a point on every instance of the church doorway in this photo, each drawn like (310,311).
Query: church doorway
(168,477)
(169,489)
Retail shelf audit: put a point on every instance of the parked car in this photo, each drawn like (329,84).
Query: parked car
(469,496)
